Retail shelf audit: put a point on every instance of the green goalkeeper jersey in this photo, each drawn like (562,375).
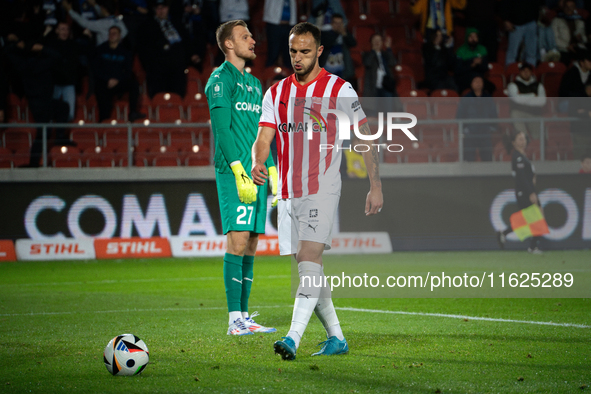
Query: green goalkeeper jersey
(235,106)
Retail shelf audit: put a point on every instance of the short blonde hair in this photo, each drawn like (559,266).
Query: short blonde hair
(224,31)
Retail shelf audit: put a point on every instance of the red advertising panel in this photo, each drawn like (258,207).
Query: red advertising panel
(117,248)
(7,250)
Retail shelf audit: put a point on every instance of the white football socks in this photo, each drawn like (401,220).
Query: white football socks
(328,316)
(311,281)
(234,316)
(245,315)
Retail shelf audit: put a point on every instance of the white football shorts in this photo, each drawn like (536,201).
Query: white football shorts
(307,218)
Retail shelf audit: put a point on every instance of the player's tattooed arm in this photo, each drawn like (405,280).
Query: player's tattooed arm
(375,199)
(371,157)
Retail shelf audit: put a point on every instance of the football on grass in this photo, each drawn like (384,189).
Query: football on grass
(126,355)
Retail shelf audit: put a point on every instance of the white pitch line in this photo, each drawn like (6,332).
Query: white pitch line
(134,310)
(149,280)
(541,323)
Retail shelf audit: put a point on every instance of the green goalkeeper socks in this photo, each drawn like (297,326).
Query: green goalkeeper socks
(247,275)
(233,281)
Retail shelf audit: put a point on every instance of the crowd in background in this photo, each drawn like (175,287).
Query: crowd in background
(52,52)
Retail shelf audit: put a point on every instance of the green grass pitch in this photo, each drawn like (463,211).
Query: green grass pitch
(57,317)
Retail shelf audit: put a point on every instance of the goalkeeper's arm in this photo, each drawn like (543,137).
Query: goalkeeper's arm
(220,118)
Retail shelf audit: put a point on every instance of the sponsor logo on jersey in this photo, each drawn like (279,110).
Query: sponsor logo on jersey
(218,89)
(242,106)
(299,127)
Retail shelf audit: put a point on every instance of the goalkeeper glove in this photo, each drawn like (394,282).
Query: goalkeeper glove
(274,180)
(247,190)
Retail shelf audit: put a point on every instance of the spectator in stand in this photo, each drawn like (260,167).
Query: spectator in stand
(88,9)
(336,57)
(194,25)
(477,104)
(575,79)
(585,164)
(280,16)
(163,52)
(528,97)
(439,62)
(378,80)
(135,13)
(52,15)
(231,10)
(36,64)
(569,32)
(521,18)
(114,76)
(3,88)
(100,26)
(471,61)
(481,13)
(546,39)
(322,12)
(24,23)
(436,14)
(66,68)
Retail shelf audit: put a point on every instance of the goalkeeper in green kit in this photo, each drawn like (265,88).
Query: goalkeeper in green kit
(235,105)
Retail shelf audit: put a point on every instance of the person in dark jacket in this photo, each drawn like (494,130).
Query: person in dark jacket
(163,49)
(525,182)
(65,71)
(378,78)
(477,104)
(36,65)
(439,62)
(575,78)
(336,57)
(114,76)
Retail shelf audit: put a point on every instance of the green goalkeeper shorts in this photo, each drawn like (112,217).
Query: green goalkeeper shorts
(237,216)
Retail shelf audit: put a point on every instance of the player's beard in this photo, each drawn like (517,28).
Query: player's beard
(306,70)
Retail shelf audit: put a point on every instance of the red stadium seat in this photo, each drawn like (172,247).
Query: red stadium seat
(198,157)
(98,157)
(65,156)
(16,109)
(147,138)
(417,107)
(15,139)
(363,35)
(512,71)
(417,155)
(180,138)
(85,138)
(21,157)
(411,93)
(444,93)
(5,158)
(445,109)
(116,139)
(550,75)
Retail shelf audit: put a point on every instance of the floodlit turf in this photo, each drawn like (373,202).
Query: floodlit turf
(57,317)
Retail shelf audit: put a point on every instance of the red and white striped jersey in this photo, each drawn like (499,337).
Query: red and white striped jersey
(304,168)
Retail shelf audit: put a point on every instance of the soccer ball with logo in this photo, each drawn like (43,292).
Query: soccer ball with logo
(126,355)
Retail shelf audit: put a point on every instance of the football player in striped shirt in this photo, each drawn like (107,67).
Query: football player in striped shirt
(234,98)
(309,178)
